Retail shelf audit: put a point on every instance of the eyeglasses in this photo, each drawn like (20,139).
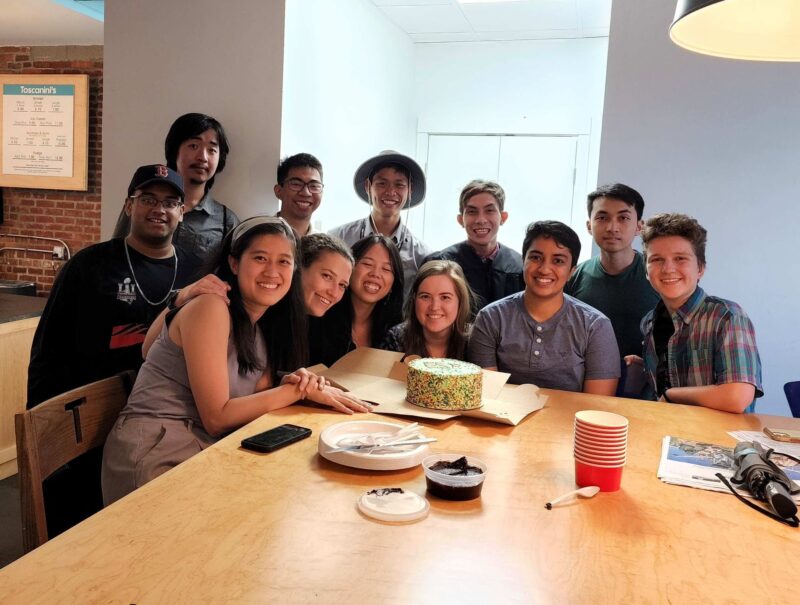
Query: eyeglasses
(151,201)
(297,185)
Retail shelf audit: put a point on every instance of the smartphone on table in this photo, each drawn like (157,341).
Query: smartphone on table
(785,435)
(276,438)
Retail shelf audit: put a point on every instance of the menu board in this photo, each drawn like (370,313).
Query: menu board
(44,133)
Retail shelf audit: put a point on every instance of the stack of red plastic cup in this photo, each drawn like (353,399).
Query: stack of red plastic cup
(601,447)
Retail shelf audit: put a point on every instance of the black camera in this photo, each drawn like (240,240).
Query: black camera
(765,480)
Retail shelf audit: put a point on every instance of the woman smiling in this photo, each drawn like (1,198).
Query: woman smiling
(437,312)
(215,366)
(371,306)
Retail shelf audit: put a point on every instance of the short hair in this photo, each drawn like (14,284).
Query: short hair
(682,225)
(617,191)
(477,186)
(313,245)
(298,160)
(556,230)
(414,336)
(402,168)
(191,125)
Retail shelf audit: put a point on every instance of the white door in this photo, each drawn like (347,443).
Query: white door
(537,173)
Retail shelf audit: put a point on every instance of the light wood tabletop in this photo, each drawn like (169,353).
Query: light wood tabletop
(232,526)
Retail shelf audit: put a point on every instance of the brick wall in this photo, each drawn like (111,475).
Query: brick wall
(72,216)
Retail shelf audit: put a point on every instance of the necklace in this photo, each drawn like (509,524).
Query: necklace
(136,281)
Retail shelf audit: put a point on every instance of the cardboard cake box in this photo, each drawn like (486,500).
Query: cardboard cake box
(379,377)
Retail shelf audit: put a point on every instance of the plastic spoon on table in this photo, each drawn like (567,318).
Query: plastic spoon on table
(584,492)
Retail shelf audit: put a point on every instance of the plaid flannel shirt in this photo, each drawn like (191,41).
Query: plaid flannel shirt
(714,343)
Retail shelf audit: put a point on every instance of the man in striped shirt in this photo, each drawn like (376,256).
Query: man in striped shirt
(698,349)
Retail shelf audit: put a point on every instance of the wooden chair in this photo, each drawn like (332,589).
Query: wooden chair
(56,432)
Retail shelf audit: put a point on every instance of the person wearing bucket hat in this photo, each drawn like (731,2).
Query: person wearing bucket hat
(97,315)
(389,182)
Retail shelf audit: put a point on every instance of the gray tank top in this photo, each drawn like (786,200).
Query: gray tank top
(162,386)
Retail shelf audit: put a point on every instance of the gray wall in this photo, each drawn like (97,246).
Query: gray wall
(719,140)
(164,59)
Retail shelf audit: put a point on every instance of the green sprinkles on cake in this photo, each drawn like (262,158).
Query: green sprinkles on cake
(444,384)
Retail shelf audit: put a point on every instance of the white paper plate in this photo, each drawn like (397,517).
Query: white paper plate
(396,460)
(388,505)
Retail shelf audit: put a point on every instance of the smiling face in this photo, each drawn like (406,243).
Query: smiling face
(264,272)
(299,205)
(613,224)
(153,226)
(372,278)
(325,281)
(388,191)
(436,304)
(673,269)
(198,158)
(481,219)
(546,269)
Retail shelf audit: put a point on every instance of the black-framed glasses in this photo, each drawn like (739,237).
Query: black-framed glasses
(297,185)
(151,201)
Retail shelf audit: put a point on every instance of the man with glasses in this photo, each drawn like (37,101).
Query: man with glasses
(299,188)
(389,182)
(97,315)
(197,149)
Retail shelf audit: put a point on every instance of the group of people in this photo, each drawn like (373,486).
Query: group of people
(221,318)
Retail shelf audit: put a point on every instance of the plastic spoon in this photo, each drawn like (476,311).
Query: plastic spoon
(584,492)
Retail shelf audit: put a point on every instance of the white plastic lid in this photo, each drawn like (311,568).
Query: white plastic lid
(393,504)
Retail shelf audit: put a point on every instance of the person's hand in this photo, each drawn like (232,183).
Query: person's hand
(210,284)
(305,381)
(633,360)
(339,400)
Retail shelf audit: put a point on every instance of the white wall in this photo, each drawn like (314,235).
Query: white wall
(717,139)
(164,59)
(552,87)
(347,95)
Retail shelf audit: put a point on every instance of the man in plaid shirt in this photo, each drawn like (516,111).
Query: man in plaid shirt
(698,349)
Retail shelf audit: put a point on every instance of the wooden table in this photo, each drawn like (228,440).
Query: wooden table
(234,526)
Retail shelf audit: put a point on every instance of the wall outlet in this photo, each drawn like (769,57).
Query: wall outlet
(58,253)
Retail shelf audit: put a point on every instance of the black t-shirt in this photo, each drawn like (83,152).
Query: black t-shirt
(96,319)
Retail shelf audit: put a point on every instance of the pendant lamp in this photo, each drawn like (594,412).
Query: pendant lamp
(753,30)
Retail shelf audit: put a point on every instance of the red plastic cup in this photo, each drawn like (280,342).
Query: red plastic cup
(599,456)
(601,420)
(601,443)
(608,479)
(600,433)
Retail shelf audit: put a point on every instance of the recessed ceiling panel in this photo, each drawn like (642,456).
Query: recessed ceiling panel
(516,16)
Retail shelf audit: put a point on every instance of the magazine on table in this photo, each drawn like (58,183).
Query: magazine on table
(695,464)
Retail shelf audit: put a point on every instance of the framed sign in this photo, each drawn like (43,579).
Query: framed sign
(44,133)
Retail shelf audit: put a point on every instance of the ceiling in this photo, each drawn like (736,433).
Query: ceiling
(471,20)
(57,22)
(50,23)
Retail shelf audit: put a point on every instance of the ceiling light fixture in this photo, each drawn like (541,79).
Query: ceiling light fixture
(753,30)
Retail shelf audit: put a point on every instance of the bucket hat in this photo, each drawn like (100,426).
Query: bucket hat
(391,157)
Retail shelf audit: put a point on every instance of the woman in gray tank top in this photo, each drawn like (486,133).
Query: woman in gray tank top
(215,366)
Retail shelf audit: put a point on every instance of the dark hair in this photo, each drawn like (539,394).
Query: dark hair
(414,335)
(556,230)
(477,186)
(282,322)
(299,160)
(617,191)
(681,225)
(389,311)
(338,321)
(402,168)
(313,245)
(191,125)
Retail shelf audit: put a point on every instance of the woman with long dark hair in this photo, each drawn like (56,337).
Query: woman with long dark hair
(215,366)
(437,313)
(372,304)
